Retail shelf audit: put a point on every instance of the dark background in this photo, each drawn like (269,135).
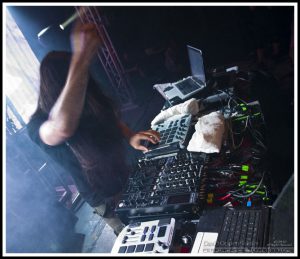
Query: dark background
(225,34)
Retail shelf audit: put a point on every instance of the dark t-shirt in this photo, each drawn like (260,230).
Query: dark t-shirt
(63,155)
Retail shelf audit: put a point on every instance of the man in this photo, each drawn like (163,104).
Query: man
(79,128)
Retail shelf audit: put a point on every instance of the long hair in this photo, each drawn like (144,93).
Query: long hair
(97,142)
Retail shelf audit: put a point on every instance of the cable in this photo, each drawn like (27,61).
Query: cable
(255,137)
(232,138)
(248,195)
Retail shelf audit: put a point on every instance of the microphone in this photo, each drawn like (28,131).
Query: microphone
(69,20)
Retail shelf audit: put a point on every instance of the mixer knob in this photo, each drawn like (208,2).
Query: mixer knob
(142,202)
(162,186)
(156,201)
(121,204)
(132,202)
(167,185)
(163,178)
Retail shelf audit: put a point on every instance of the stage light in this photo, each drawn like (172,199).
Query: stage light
(43,31)
(68,21)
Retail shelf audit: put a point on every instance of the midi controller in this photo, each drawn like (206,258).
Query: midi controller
(174,134)
(146,237)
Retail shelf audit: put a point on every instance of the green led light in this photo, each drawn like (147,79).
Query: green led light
(244,177)
(244,108)
(245,168)
(242,183)
(241,118)
(251,186)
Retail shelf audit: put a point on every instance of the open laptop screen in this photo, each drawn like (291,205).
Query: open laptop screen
(196,63)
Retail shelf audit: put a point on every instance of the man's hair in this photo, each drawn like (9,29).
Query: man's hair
(98,129)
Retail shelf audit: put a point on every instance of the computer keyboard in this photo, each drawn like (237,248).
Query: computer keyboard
(240,231)
(187,86)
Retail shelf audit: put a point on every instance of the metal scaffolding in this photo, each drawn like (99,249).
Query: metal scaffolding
(109,59)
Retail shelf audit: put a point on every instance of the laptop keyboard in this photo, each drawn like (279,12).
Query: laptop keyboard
(239,232)
(187,86)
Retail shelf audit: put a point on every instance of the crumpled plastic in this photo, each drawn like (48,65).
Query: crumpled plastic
(208,135)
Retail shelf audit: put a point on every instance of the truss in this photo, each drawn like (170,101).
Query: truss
(109,59)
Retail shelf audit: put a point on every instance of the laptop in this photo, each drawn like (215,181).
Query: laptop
(187,87)
(249,230)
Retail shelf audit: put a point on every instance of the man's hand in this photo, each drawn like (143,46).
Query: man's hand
(85,40)
(150,135)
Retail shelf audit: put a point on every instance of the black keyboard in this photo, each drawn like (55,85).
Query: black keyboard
(240,231)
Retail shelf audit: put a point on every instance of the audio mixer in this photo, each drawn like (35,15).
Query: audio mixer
(172,185)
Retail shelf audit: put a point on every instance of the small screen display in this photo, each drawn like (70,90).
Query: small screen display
(178,199)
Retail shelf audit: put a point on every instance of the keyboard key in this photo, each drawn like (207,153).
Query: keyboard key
(151,237)
(140,248)
(143,238)
(122,249)
(162,231)
(131,249)
(146,230)
(149,247)
(153,229)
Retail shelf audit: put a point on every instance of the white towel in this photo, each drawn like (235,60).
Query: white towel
(208,135)
(190,106)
